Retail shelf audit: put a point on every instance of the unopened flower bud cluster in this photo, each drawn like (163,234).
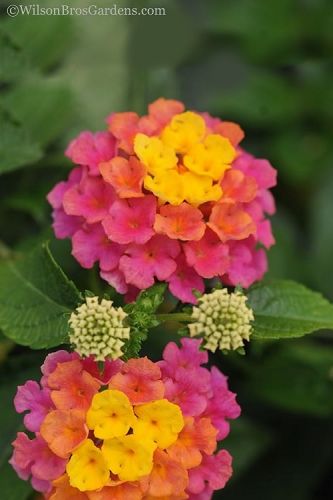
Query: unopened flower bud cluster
(223,319)
(98,329)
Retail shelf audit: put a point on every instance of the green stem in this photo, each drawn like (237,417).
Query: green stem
(179,317)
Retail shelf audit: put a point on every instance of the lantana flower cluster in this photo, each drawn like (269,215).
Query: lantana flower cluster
(170,196)
(137,430)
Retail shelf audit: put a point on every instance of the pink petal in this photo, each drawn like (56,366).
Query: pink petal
(90,149)
(145,262)
(91,199)
(264,233)
(64,225)
(131,221)
(91,244)
(214,472)
(183,281)
(116,279)
(208,256)
(30,397)
(188,355)
(52,360)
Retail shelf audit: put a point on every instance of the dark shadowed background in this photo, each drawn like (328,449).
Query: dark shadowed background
(266,64)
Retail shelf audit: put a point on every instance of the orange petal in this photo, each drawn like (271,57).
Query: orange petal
(196,436)
(125,491)
(232,131)
(140,380)
(73,387)
(231,222)
(64,491)
(168,477)
(164,109)
(124,126)
(182,222)
(238,187)
(126,176)
(64,431)
(183,496)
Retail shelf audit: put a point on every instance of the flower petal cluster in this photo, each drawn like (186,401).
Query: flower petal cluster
(98,329)
(168,196)
(138,430)
(223,319)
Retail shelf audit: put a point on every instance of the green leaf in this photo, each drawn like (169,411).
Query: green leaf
(141,317)
(13,62)
(286,258)
(261,98)
(285,309)
(44,40)
(250,22)
(321,236)
(298,153)
(297,378)
(11,487)
(16,148)
(35,300)
(43,107)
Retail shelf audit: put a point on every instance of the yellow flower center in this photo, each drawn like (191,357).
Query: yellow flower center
(185,163)
(110,414)
(130,435)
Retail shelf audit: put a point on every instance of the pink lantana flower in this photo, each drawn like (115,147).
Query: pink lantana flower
(116,279)
(188,389)
(184,281)
(36,401)
(91,199)
(91,245)
(222,405)
(131,221)
(247,264)
(34,458)
(91,149)
(213,472)
(187,356)
(64,225)
(209,256)
(142,263)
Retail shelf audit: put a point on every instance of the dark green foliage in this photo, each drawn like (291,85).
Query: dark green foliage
(36,299)
(285,309)
(142,317)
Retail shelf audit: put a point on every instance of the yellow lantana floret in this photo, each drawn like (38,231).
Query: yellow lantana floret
(184,130)
(200,189)
(211,157)
(168,187)
(129,457)
(87,468)
(155,155)
(110,414)
(160,421)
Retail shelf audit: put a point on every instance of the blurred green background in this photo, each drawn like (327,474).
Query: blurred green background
(265,64)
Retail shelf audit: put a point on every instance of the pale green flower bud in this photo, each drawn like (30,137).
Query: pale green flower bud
(98,329)
(223,319)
